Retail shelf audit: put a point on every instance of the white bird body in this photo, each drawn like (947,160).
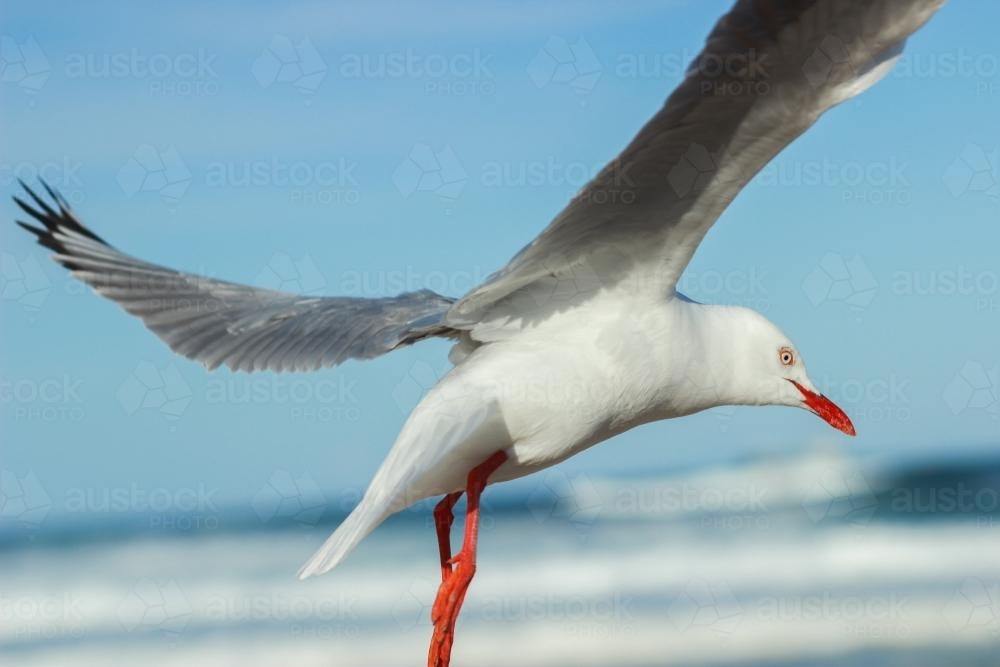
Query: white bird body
(581,376)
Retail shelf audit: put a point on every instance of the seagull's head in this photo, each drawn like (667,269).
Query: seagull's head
(772,372)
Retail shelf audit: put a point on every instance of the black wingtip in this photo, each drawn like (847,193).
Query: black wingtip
(47,240)
(52,193)
(52,220)
(24,225)
(30,211)
(39,201)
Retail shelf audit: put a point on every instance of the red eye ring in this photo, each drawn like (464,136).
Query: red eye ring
(786,356)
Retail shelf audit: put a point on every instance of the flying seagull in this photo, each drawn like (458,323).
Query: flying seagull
(582,335)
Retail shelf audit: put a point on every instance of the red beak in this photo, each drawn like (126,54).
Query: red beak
(826,409)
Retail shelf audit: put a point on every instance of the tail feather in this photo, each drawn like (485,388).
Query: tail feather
(447,434)
(356,527)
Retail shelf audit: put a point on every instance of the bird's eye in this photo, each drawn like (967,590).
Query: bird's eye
(786,356)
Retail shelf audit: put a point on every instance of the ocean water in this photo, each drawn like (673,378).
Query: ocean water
(810,561)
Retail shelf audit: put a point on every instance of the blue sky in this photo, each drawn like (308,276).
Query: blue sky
(897,188)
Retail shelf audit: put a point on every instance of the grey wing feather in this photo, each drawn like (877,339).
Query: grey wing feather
(244,327)
(768,70)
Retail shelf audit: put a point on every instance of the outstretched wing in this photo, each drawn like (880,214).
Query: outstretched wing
(769,69)
(244,327)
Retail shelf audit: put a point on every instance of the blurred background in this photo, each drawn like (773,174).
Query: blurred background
(153,513)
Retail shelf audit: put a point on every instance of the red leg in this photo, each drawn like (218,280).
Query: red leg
(451,594)
(443,518)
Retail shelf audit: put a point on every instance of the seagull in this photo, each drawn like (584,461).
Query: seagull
(582,335)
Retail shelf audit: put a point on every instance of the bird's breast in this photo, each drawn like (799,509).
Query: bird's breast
(578,380)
